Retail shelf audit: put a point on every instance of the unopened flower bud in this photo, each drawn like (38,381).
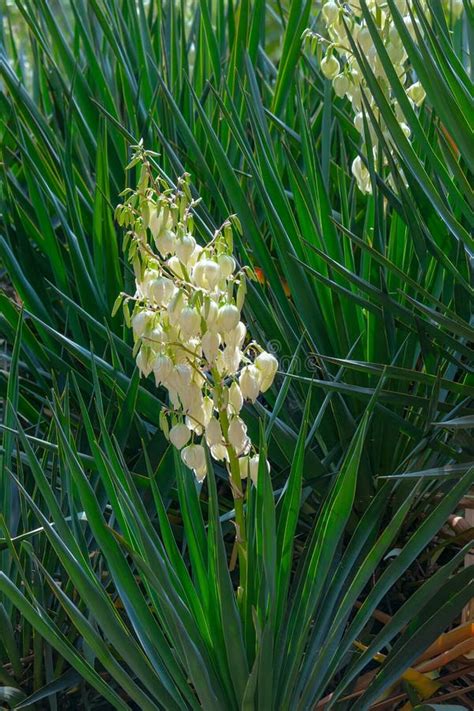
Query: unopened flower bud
(406,129)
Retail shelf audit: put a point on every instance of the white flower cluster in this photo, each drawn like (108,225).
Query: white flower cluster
(188,330)
(340,65)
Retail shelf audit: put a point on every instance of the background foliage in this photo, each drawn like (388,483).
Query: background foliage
(366,300)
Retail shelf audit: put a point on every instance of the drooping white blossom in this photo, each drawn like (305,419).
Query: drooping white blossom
(179,435)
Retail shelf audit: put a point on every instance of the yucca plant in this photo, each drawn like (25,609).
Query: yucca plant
(357,294)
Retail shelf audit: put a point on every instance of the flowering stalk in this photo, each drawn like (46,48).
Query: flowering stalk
(341,66)
(188,332)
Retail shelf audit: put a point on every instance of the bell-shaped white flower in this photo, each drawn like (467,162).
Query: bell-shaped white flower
(268,366)
(362,175)
(330,66)
(219,452)
(159,220)
(185,247)
(143,285)
(209,312)
(236,337)
(364,38)
(194,457)
(397,53)
(141,323)
(144,364)
(206,274)
(213,432)
(179,435)
(210,345)
(227,265)
(340,85)
(189,322)
(175,306)
(254,463)
(176,267)
(230,360)
(166,243)
(359,122)
(180,377)
(237,436)
(236,399)
(198,413)
(156,336)
(191,399)
(161,290)
(227,318)
(198,250)
(207,410)
(250,381)
(244,466)
(162,368)
(410,26)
